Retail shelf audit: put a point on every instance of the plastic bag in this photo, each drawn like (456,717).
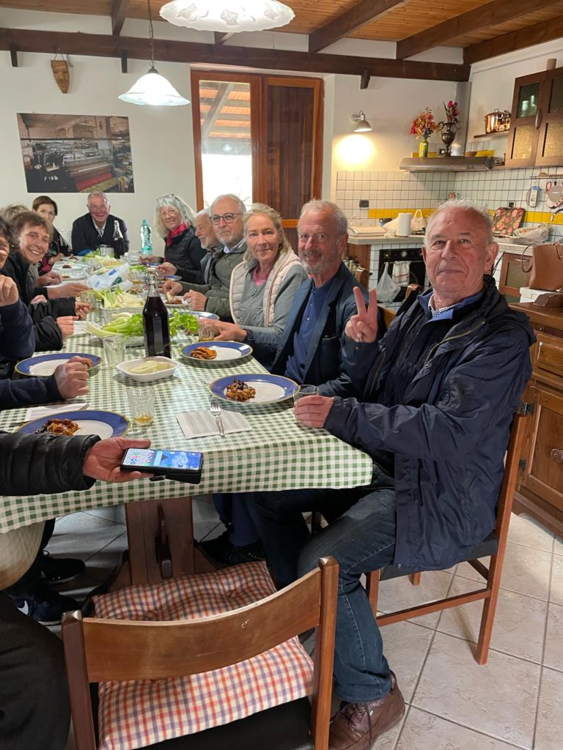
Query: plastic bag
(535,235)
(391,227)
(418,222)
(387,289)
(106,279)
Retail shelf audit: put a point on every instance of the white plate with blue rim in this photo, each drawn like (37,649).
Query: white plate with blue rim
(44,365)
(105,424)
(225,351)
(269,389)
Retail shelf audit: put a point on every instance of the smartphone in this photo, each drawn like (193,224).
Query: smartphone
(186,465)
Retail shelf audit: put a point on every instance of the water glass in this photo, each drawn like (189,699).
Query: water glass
(141,405)
(207,329)
(107,251)
(305,390)
(114,350)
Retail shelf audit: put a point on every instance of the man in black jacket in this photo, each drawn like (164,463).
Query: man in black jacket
(436,400)
(97,226)
(34,706)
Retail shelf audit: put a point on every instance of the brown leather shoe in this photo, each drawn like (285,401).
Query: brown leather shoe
(356,726)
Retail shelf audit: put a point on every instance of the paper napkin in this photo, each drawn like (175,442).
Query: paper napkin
(203,424)
(45,411)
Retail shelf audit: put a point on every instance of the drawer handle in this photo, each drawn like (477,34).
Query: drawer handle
(556,455)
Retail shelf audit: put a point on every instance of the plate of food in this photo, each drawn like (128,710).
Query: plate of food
(106,424)
(253,388)
(216,351)
(45,365)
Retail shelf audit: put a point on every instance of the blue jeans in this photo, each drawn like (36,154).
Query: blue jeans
(234,514)
(361,536)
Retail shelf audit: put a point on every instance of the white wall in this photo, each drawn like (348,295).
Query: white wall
(162,139)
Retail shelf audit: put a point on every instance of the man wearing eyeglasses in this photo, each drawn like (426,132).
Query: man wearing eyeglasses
(226,214)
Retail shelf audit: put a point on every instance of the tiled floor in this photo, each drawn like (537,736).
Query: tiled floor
(515,701)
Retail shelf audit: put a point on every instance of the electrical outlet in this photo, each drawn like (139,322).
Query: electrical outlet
(364,204)
(510,204)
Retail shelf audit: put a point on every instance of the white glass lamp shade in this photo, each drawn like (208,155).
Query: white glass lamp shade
(155,90)
(227,16)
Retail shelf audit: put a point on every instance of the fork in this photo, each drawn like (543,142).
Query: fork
(215,409)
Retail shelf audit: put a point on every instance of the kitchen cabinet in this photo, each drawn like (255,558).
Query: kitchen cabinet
(540,491)
(536,131)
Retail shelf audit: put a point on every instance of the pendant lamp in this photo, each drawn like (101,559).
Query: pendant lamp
(152,88)
(227,16)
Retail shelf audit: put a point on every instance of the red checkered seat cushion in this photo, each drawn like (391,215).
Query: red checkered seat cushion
(137,714)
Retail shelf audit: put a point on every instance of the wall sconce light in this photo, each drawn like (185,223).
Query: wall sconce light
(363,125)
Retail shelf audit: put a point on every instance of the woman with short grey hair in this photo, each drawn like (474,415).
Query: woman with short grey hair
(174,222)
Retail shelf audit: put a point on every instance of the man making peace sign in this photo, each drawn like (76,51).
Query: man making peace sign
(434,403)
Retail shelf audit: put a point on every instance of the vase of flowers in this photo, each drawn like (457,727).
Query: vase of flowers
(422,127)
(449,126)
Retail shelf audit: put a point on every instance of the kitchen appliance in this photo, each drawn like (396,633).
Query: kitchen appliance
(417,269)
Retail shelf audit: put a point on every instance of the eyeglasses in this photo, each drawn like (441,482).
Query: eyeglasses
(227,218)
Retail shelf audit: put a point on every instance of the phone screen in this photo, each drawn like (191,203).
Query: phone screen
(146,458)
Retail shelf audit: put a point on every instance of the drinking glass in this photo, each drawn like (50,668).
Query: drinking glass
(305,390)
(206,330)
(141,405)
(114,350)
(107,251)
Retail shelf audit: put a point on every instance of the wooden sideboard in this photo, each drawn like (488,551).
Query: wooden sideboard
(540,491)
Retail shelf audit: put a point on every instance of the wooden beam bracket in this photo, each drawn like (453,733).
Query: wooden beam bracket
(365,79)
(124,61)
(14,55)
(118,15)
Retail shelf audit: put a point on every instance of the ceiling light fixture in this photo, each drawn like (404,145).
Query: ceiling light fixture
(152,88)
(363,125)
(227,16)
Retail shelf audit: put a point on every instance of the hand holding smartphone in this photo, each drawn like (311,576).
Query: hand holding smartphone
(182,466)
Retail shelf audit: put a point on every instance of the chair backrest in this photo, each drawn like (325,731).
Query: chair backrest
(389,315)
(101,650)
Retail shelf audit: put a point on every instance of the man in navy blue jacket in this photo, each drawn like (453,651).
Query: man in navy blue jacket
(435,400)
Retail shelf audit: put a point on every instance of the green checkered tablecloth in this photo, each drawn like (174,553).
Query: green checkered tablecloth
(277,454)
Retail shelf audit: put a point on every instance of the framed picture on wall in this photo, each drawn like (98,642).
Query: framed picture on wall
(76,153)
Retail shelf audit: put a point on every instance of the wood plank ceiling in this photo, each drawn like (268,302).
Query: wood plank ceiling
(485,28)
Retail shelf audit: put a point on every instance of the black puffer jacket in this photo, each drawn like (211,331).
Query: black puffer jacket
(35,464)
(186,253)
(48,335)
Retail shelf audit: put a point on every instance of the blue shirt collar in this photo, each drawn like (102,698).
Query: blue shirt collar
(424,301)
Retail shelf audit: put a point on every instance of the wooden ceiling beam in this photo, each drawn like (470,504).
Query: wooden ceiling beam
(491,14)
(118,15)
(105,45)
(500,45)
(360,14)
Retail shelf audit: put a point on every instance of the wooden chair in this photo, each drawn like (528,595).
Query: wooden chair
(494,545)
(98,650)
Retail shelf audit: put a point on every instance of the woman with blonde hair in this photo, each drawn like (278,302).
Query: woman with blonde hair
(264,284)
(174,222)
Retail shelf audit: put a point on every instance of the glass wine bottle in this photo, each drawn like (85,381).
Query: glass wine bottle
(155,323)
(118,242)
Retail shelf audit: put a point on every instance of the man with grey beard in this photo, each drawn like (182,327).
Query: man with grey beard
(309,349)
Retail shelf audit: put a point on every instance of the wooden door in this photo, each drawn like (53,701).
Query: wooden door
(550,142)
(273,121)
(292,141)
(544,462)
(525,120)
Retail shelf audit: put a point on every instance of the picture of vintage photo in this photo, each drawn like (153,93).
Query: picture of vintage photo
(76,153)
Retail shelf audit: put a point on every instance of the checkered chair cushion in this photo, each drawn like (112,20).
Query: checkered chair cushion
(137,714)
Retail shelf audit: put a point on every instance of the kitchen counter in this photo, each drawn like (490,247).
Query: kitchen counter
(381,239)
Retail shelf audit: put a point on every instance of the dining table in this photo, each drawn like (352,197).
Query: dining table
(276,454)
